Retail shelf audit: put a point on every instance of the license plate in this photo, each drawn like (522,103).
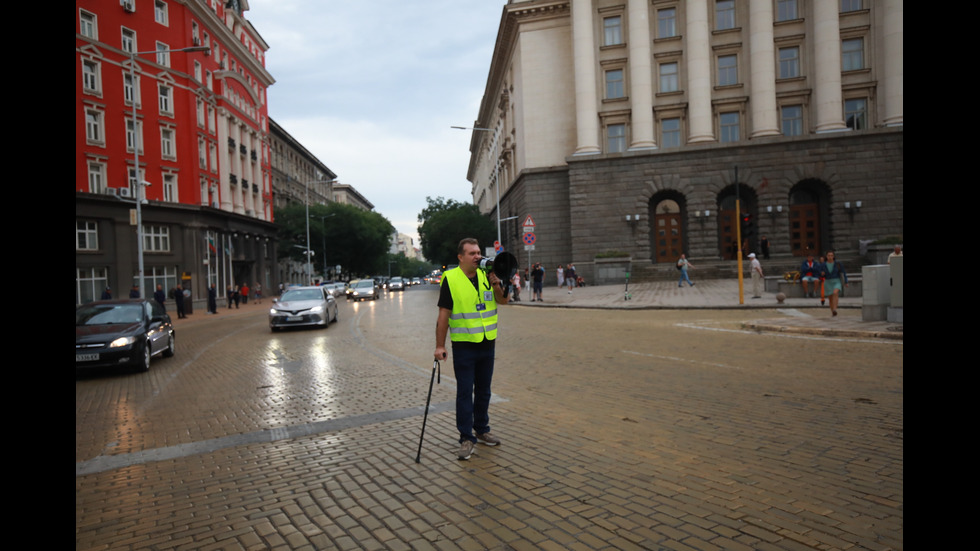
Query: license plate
(86,357)
(294,318)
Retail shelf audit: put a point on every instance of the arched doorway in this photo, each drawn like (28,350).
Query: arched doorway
(728,223)
(667,240)
(808,202)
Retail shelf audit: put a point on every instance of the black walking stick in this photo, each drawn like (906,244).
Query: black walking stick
(435,367)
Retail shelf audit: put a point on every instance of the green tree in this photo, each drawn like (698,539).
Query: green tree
(443,223)
(353,238)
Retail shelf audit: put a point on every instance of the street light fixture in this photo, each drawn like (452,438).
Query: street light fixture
(136,150)
(309,262)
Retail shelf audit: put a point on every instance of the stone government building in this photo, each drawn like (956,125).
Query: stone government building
(599,110)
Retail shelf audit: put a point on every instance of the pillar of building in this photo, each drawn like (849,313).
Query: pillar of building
(224,162)
(762,67)
(698,56)
(828,98)
(583,44)
(641,79)
(893,79)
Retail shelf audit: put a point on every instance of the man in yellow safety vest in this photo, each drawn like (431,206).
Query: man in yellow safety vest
(468,300)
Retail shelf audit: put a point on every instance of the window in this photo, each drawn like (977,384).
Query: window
(852,54)
(134,136)
(851,5)
(90,282)
(96,177)
(198,72)
(668,77)
(167,148)
(724,14)
(166,103)
(130,92)
(786,10)
(93,127)
(728,124)
(616,138)
(792,123)
(727,70)
(670,130)
(163,54)
(202,153)
(789,62)
(667,23)
(200,112)
(91,77)
(612,31)
(170,188)
(614,84)
(86,236)
(128,40)
(156,238)
(87,25)
(160,14)
(856,113)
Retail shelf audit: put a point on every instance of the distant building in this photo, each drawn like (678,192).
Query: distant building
(402,244)
(197,152)
(618,125)
(347,195)
(298,176)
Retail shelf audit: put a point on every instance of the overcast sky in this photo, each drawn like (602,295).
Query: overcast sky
(371,89)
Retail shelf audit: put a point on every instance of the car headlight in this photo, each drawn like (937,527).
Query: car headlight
(122,341)
(316,309)
(272,311)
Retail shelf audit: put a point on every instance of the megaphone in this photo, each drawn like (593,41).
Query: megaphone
(504,265)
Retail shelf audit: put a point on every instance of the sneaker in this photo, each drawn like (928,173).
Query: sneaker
(488,439)
(465,450)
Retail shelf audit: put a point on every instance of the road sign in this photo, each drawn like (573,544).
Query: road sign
(529,238)
(528,222)
(497,248)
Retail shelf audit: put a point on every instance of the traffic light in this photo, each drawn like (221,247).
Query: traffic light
(748,227)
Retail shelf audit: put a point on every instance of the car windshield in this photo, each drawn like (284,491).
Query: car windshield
(364,283)
(301,294)
(107,314)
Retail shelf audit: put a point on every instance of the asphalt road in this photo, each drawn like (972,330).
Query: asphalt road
(646,429)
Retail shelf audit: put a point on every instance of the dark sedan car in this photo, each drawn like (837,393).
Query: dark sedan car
(110,333)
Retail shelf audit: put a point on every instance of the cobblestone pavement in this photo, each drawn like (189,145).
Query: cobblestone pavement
(622,429)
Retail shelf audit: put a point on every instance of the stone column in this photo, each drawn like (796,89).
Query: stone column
(762,67)
(828,98)
(224,161)
(641,79)
(700,126)
(893,79)
(583,50)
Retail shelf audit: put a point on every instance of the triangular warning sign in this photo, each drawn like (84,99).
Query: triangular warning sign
(529,222)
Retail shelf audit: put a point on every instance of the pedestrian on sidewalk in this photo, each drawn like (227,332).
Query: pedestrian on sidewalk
(468,299)
(836,280)
(561,276)
(683,265)
(570,276)
(755,268)
(538,276)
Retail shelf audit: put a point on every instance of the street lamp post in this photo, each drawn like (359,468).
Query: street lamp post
(309,261)
(323,234)
(136,151)
(496,168)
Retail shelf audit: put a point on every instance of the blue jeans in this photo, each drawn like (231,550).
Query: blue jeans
(474,372)
(680,282)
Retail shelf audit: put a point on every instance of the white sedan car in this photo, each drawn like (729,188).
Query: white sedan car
(303,306)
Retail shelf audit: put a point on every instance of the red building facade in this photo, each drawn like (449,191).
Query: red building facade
(197,153)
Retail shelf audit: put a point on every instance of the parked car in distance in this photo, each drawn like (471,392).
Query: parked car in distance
(303,306)
(110,333)
(396,284)
(364,289)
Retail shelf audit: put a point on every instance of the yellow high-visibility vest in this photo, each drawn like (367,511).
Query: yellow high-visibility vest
(468,321)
